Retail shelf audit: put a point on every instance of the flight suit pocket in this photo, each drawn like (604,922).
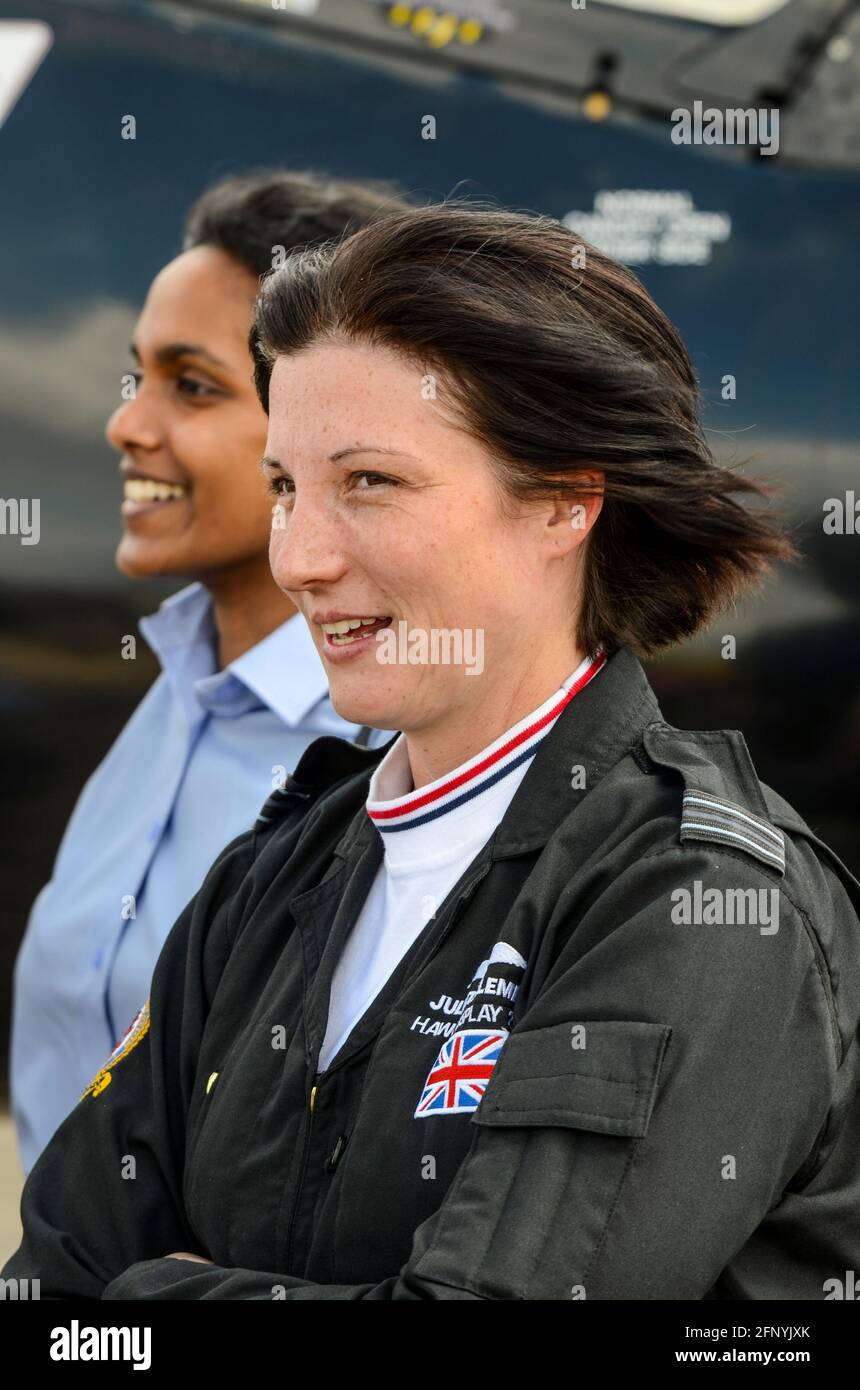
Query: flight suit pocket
(600,1076)
(557,1132)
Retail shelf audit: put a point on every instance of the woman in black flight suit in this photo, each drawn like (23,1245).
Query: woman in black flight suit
(545,999)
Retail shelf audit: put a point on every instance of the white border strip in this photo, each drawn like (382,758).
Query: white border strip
(23,45)
(727,13)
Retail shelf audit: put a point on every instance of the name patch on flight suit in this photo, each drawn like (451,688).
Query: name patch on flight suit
(457,1080)
(132,1036)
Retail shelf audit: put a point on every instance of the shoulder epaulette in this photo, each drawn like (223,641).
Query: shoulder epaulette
(723,801)
(712,818)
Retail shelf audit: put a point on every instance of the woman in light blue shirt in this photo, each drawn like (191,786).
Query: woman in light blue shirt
(242,690)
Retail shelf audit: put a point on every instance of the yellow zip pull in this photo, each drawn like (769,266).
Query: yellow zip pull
(312,1099)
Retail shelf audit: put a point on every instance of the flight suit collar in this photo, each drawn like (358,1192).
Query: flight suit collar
(604,720)
(597,727)
(593,732)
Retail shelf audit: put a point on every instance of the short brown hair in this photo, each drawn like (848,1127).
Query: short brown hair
(556,367)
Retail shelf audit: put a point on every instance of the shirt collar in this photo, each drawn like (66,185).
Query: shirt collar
(450,802)
(284,670)
(594,732)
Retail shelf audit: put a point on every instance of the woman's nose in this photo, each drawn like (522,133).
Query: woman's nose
(303,549)
(132,425)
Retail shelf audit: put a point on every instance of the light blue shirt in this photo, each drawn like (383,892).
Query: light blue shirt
(188,773)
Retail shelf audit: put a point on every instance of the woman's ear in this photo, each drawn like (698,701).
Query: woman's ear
(573,515)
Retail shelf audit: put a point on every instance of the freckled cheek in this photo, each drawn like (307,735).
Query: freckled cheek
(374,545)
(406,567)
(467,526)
(487,586)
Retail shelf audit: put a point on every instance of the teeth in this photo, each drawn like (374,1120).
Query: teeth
(347,625)
(148,490)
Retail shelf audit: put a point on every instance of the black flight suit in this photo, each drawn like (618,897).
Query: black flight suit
(675,1113)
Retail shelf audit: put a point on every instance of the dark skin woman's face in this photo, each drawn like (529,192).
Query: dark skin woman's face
(195,504)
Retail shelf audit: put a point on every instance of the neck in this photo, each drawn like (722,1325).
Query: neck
(247,605)
(439,748)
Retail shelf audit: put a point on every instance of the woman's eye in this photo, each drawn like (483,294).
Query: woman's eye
(187,386)
(282,487)
(379,479)
(278,484)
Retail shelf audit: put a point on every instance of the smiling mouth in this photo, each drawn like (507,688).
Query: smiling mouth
(136,490)
(350,630)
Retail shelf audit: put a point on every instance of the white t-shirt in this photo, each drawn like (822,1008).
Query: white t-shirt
(430,837)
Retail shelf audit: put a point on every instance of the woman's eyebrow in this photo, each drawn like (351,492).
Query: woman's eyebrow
(267,462)
(370,449)
(172,352)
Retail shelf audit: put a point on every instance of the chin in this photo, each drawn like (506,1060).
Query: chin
(144,562)
(360,708)
(387,697)
(362,712)
(132,566)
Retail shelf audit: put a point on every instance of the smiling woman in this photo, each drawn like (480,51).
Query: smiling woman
(189,437)
(502,439)
(242,690)
(434,1028)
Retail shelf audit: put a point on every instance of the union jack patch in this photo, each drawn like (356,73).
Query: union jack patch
(132,1036)
(459,1076)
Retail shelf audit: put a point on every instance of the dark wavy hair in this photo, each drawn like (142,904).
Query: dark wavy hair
(556,366)
(247,215)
